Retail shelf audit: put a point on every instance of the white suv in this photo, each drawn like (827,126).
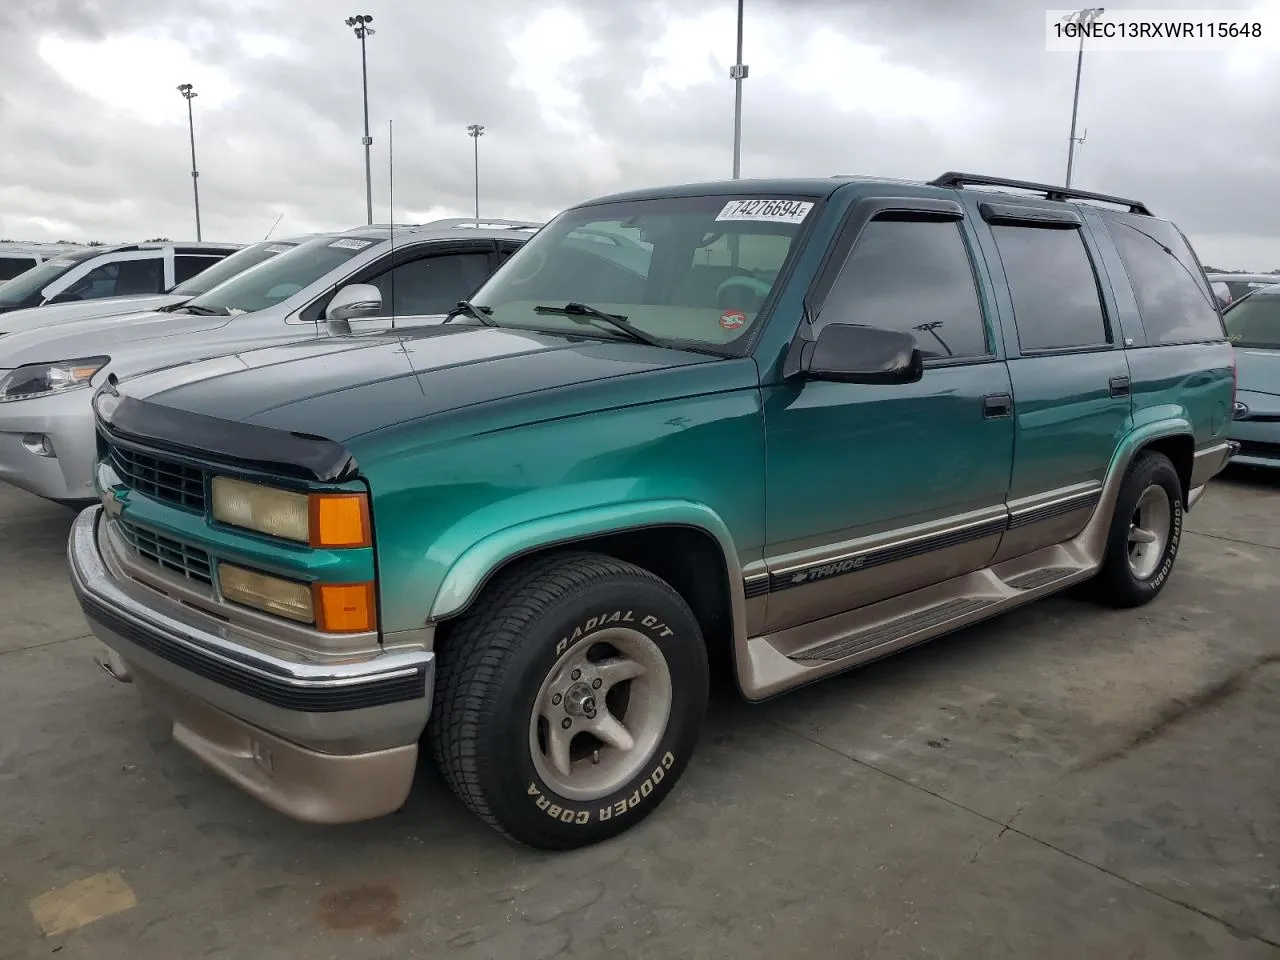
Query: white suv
(118,271)
(18,258)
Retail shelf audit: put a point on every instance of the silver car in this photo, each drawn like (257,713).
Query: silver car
(33,318)
(1253,324)
(378,277)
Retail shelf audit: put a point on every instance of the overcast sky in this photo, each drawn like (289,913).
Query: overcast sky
(584,97)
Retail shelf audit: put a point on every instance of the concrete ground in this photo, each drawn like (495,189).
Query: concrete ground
(1065,782)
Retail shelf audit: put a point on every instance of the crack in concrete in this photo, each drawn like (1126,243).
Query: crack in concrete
(1243,543)
(1008,827)
(46,643)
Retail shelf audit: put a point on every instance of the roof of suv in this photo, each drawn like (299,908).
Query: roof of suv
(489,229)
(823,187)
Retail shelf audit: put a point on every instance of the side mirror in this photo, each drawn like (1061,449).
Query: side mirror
(846,353)
(355,301)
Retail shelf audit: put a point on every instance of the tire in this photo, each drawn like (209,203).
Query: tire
(1133,573)
(515,651)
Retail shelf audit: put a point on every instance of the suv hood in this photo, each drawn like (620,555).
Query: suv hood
(100,336)
(41,318)
(1258,371)
(341,387)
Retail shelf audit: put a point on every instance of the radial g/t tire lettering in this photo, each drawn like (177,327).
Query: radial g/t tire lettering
(568,699)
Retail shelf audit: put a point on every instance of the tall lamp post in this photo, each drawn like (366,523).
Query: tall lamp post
(360,24)
(738,73)
(475,131)
(1081,17)
(189,93)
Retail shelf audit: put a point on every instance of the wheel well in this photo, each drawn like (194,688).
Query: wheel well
(1181,451)
(687,558)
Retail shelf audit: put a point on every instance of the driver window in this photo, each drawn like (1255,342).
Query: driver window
(912,276)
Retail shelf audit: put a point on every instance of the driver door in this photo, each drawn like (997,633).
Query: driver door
(876,490)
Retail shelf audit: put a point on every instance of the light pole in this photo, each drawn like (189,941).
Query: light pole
(738,72)
(186,90)
(1087,15)
(475,131)
(362,29)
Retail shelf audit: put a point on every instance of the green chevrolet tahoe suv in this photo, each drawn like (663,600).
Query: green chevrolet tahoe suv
(777,428)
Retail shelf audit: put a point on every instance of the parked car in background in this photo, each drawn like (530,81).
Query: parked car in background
(1253,324)
(801,425)
(371,277)
(51,315)
(95,272)
(18,258)
(1242,284)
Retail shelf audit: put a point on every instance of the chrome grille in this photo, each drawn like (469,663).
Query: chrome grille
(159,478)
(167,553)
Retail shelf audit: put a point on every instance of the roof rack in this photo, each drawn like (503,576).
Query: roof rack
(953,179)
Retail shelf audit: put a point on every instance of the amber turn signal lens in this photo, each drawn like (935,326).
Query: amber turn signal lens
(340,520)
(344,607)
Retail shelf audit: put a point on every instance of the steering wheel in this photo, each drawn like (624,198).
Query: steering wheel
(742,292)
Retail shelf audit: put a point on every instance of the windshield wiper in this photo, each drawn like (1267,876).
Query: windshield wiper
(204,311)
(615,320)
(471,310)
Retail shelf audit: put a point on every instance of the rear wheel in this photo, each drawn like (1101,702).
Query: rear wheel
(569,699)
(1146,529)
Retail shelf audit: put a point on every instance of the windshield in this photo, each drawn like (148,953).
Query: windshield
(30,283)
(687,271)
(228,267)
(1255,322)
(278,278)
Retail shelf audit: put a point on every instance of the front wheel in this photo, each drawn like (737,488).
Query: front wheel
(1145,533)
(569,699)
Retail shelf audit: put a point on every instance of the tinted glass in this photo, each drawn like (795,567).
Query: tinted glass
(10,267)
(431,284)
(280,277)
(691,270)
(1255,322)
(117,279)
(913,276)
(186,266)
(1173,298)
(1056,304)
(1240,288)
(28,285)
(216,271)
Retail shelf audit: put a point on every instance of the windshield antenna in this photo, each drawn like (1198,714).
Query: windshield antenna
(273,227)
(391,213)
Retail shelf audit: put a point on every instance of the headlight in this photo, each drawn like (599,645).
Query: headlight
(317,519)
(42,379)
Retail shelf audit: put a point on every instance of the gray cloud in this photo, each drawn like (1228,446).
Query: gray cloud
(1180,131)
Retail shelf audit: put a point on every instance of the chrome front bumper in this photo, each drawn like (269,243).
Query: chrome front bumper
(238,708)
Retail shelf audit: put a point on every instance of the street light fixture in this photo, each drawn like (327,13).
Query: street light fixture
(1087,15)
(189,93)
(475,131)
(738,73)
(360,24)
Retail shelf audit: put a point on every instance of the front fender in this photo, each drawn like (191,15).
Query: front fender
(473,568)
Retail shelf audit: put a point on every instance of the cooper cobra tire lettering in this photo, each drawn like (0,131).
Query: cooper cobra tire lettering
(493,661)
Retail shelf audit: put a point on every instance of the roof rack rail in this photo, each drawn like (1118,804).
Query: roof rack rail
(953,179)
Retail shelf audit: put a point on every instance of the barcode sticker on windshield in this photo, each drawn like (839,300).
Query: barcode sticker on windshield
(776,211)
(278,248)
(350,244)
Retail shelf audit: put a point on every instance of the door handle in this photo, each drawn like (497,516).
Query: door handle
(997,405)
(1120,386)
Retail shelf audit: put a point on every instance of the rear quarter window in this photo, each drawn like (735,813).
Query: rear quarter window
(1174,299)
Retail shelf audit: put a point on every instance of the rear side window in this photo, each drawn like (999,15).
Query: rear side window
(1056,302)
(10,267)
(186,266)
(1173,297)
(912,276)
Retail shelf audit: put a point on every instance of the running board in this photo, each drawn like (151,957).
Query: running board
(805,653)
